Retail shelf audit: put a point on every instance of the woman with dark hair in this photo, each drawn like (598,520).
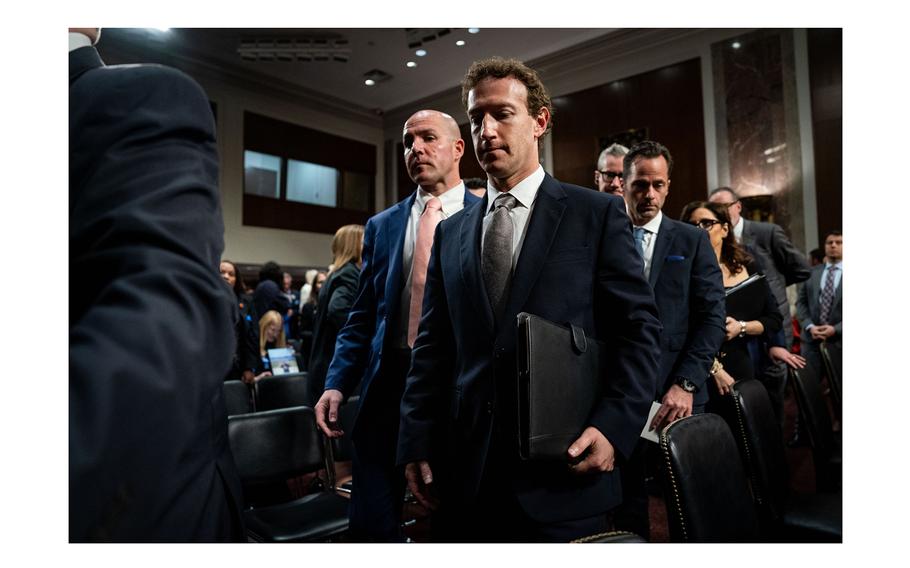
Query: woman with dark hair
(308,315)
(245,361)
(733,362)
(335,301)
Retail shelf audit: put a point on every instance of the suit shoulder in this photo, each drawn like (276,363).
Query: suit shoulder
(143,82)
(686,229)
(388,213)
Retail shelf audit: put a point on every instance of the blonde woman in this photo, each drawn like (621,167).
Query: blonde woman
(335,301)
(271,332)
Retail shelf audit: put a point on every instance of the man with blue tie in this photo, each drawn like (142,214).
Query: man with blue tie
(818,306)
(681,267)
(374,346)
(535,245)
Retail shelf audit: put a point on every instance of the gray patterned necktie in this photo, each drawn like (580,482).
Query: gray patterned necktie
(497,252)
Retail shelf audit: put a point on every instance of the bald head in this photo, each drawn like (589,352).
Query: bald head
(432,149)
(92,33)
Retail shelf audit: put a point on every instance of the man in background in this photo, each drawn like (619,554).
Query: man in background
(819,307)
(151,321)
(375,344)
(608,176)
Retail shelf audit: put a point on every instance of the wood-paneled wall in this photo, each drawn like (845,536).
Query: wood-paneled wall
(667,102)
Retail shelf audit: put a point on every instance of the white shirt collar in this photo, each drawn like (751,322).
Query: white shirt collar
(738,229)
(839,265)
(79,40)
(653,226)
(452,199)
(525,192)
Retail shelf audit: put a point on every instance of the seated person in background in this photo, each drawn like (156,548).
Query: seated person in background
(268,294)
(734,361)
(245,361)
(271,336)
(290,317)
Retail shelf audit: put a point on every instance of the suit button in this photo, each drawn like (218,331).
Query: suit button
(489,408)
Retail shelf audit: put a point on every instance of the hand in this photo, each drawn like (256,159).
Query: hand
(262,375)
(724,381)
(420,478)
(248,377)
(327,413)
(676,404)
(781,355)
(825,331)
(600,453)
(733,328)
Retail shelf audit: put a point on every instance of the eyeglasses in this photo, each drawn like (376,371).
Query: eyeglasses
(705,224)
(608,176)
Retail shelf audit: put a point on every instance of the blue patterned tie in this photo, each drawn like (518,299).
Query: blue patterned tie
(638,233)
(827,295)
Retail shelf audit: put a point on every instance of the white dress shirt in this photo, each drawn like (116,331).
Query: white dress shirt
(838,274)
(738,230)
(79,40)
(452,202)
(650,238)
(525,194)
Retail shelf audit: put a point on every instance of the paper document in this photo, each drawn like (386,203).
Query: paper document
(646,432)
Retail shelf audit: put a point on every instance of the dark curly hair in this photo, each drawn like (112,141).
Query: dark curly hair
(646,149)
(500,68)
(732,254)
(239,284)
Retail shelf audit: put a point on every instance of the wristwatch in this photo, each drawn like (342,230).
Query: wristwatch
(685,384)
(742,328)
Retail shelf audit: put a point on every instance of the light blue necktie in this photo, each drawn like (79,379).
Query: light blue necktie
(638,233)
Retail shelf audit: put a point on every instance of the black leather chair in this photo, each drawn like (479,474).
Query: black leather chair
(342,448)
(238,398)
(706,491)
(282,391)
(816,420)
(831,359)
(784,516)
(273,446)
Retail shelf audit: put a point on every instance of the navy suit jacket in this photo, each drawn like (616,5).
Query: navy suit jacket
(373,322)
(578,265)
(689,290)
(151,329)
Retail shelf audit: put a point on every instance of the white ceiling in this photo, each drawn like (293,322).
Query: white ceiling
(386,49)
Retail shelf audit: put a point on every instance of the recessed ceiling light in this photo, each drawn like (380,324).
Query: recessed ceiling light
(369,82)
(420,52)
(473,30)
(411,64)
(459,43)
(736,45)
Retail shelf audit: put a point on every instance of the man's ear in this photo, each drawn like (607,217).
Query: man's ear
(541,121)
(459,149)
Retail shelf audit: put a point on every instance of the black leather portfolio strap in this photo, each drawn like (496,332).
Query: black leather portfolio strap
(560,378)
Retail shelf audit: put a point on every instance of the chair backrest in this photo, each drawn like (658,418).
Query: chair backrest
(276,445)
(758,435)
(813,413)
(831,358)
(238,398)
(707,494)
(283,391)
(343,450)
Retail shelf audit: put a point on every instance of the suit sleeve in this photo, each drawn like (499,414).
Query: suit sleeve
(423,402)
(706,315)
(352,347)
(627,317)
(151,330)
(793,264)
(802,307)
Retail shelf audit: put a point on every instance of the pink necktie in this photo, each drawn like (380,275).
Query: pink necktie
(425,229)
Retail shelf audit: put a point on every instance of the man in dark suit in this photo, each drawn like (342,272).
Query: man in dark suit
(375,344)
(537,245)
(682,269)
(819,305)
(783,265)
(151,328)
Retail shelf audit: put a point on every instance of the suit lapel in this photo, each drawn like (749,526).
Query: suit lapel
(539,235)
(469,232)
(397,223)
(665,235)
(82,60)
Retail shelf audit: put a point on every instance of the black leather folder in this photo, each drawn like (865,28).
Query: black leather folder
(560,378)
(746,300)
